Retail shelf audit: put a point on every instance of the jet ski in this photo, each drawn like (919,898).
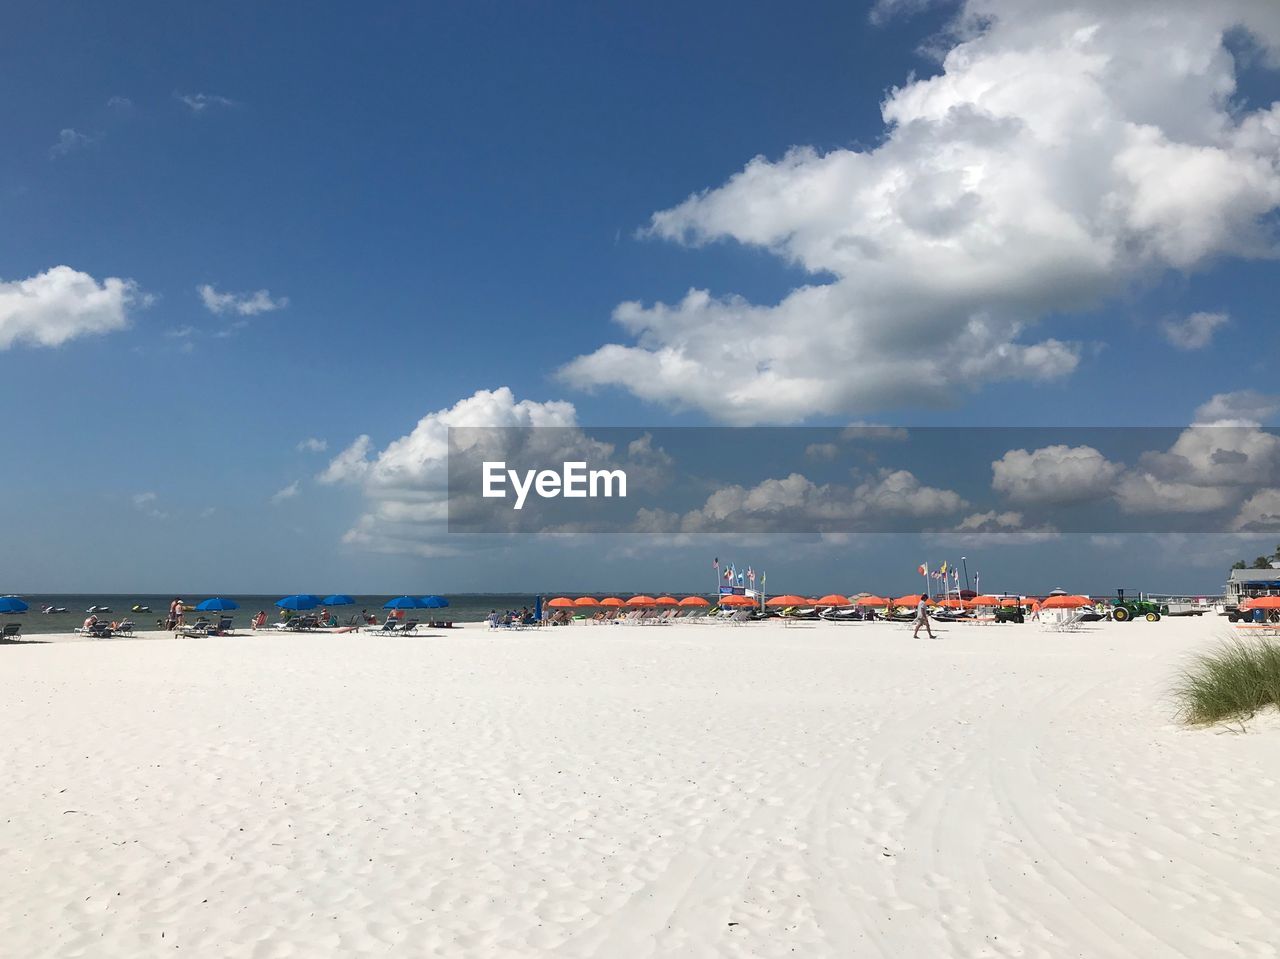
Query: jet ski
(56,609)
(98,609)
(142,609)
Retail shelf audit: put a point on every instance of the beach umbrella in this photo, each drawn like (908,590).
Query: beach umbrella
(585,601)
(787,600)
(984,601)
(560,602)
(733,599)
(434,602)
(612,601)
(873,601)
(952,603)
(833,599)
(1261,602)
(1066,602)
(217,605)
(911,600)
(694,601)
(338,599)
(404,602)
(1010,601)
(11,604)
(666,601)
(641,601)
(299,601)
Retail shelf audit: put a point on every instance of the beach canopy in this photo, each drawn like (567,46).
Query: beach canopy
(1012,601)
(299,601)
(952,603)
(641,601)
(666,601)
(434,602)
(833,599)
(612,601)
(585,601)
(1066,602)
(11,604)
(338,599)
(404,602)
(1261,602)
(873,601)
(694,601)
(733,599)
(217,605)
(984,601)
(560,602)
(787,600)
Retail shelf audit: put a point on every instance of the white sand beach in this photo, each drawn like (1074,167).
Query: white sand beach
(615,791)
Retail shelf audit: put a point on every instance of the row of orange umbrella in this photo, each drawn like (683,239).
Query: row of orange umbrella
(563,602)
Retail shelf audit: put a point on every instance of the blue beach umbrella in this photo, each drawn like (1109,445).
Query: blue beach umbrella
(299,601)
(11,604)
(217,605)
(404,602)
(338,599)
(434,602)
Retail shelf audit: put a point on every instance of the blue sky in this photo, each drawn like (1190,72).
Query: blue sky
(452,198)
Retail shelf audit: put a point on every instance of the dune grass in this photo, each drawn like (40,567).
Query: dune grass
(1233,682)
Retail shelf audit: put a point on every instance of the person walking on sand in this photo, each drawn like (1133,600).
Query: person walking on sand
(922,617)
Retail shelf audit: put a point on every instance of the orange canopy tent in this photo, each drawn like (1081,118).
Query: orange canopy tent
(833,599)
(694,601)
(736,600)
(612,601)
(873,601)
(787,600)
(1066,602)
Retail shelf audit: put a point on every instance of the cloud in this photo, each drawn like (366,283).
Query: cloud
(244,304)
(197,103)
(1054,475)
(1259,513)
(1241,408)
(60,304)
(406,484)
(1195,332)
(1141,492)
(313,445)
(822,451)
(995,528)
(181,332)
(146,503)
(69,141)
(123,104)
(1059,156)
(289,492)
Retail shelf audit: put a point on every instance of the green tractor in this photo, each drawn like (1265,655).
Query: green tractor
(1124,609)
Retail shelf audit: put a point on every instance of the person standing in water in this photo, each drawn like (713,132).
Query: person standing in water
(922,617)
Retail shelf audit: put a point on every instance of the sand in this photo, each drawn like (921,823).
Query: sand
(632,791)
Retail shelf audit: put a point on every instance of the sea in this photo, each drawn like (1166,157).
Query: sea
(462,608)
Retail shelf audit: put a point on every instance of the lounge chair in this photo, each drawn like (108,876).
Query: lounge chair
(126,628)
(97,631)
(385,629)
(12,632)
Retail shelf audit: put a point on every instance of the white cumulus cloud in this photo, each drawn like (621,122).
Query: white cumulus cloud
(288,492)
(313,444)
(198,103)
(1056,474)
(1062,152)
(60,304)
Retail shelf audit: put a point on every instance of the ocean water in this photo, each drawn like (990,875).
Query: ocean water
(462,608)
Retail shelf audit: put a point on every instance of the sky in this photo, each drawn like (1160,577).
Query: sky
(255,263)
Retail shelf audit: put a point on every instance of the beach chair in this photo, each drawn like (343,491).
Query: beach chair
(98,631)
(126,628)
(409,626)
(12,632)
(386,629)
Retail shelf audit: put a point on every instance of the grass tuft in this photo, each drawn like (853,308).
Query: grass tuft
(1233,682)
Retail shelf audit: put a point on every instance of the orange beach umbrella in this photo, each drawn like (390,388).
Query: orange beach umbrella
(788,600)
(694,601)
(911,600)
(585,601)
(559,602)
(1066,602)
(1261,602)
(952,603)
(666,601)
(641,601)
(873,601)
(833,599)
(735,600)
(612,601)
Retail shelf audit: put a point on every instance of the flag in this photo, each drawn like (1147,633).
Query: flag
(715,563)
(923,569)
(943,570)
(728,573)
(751,575)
